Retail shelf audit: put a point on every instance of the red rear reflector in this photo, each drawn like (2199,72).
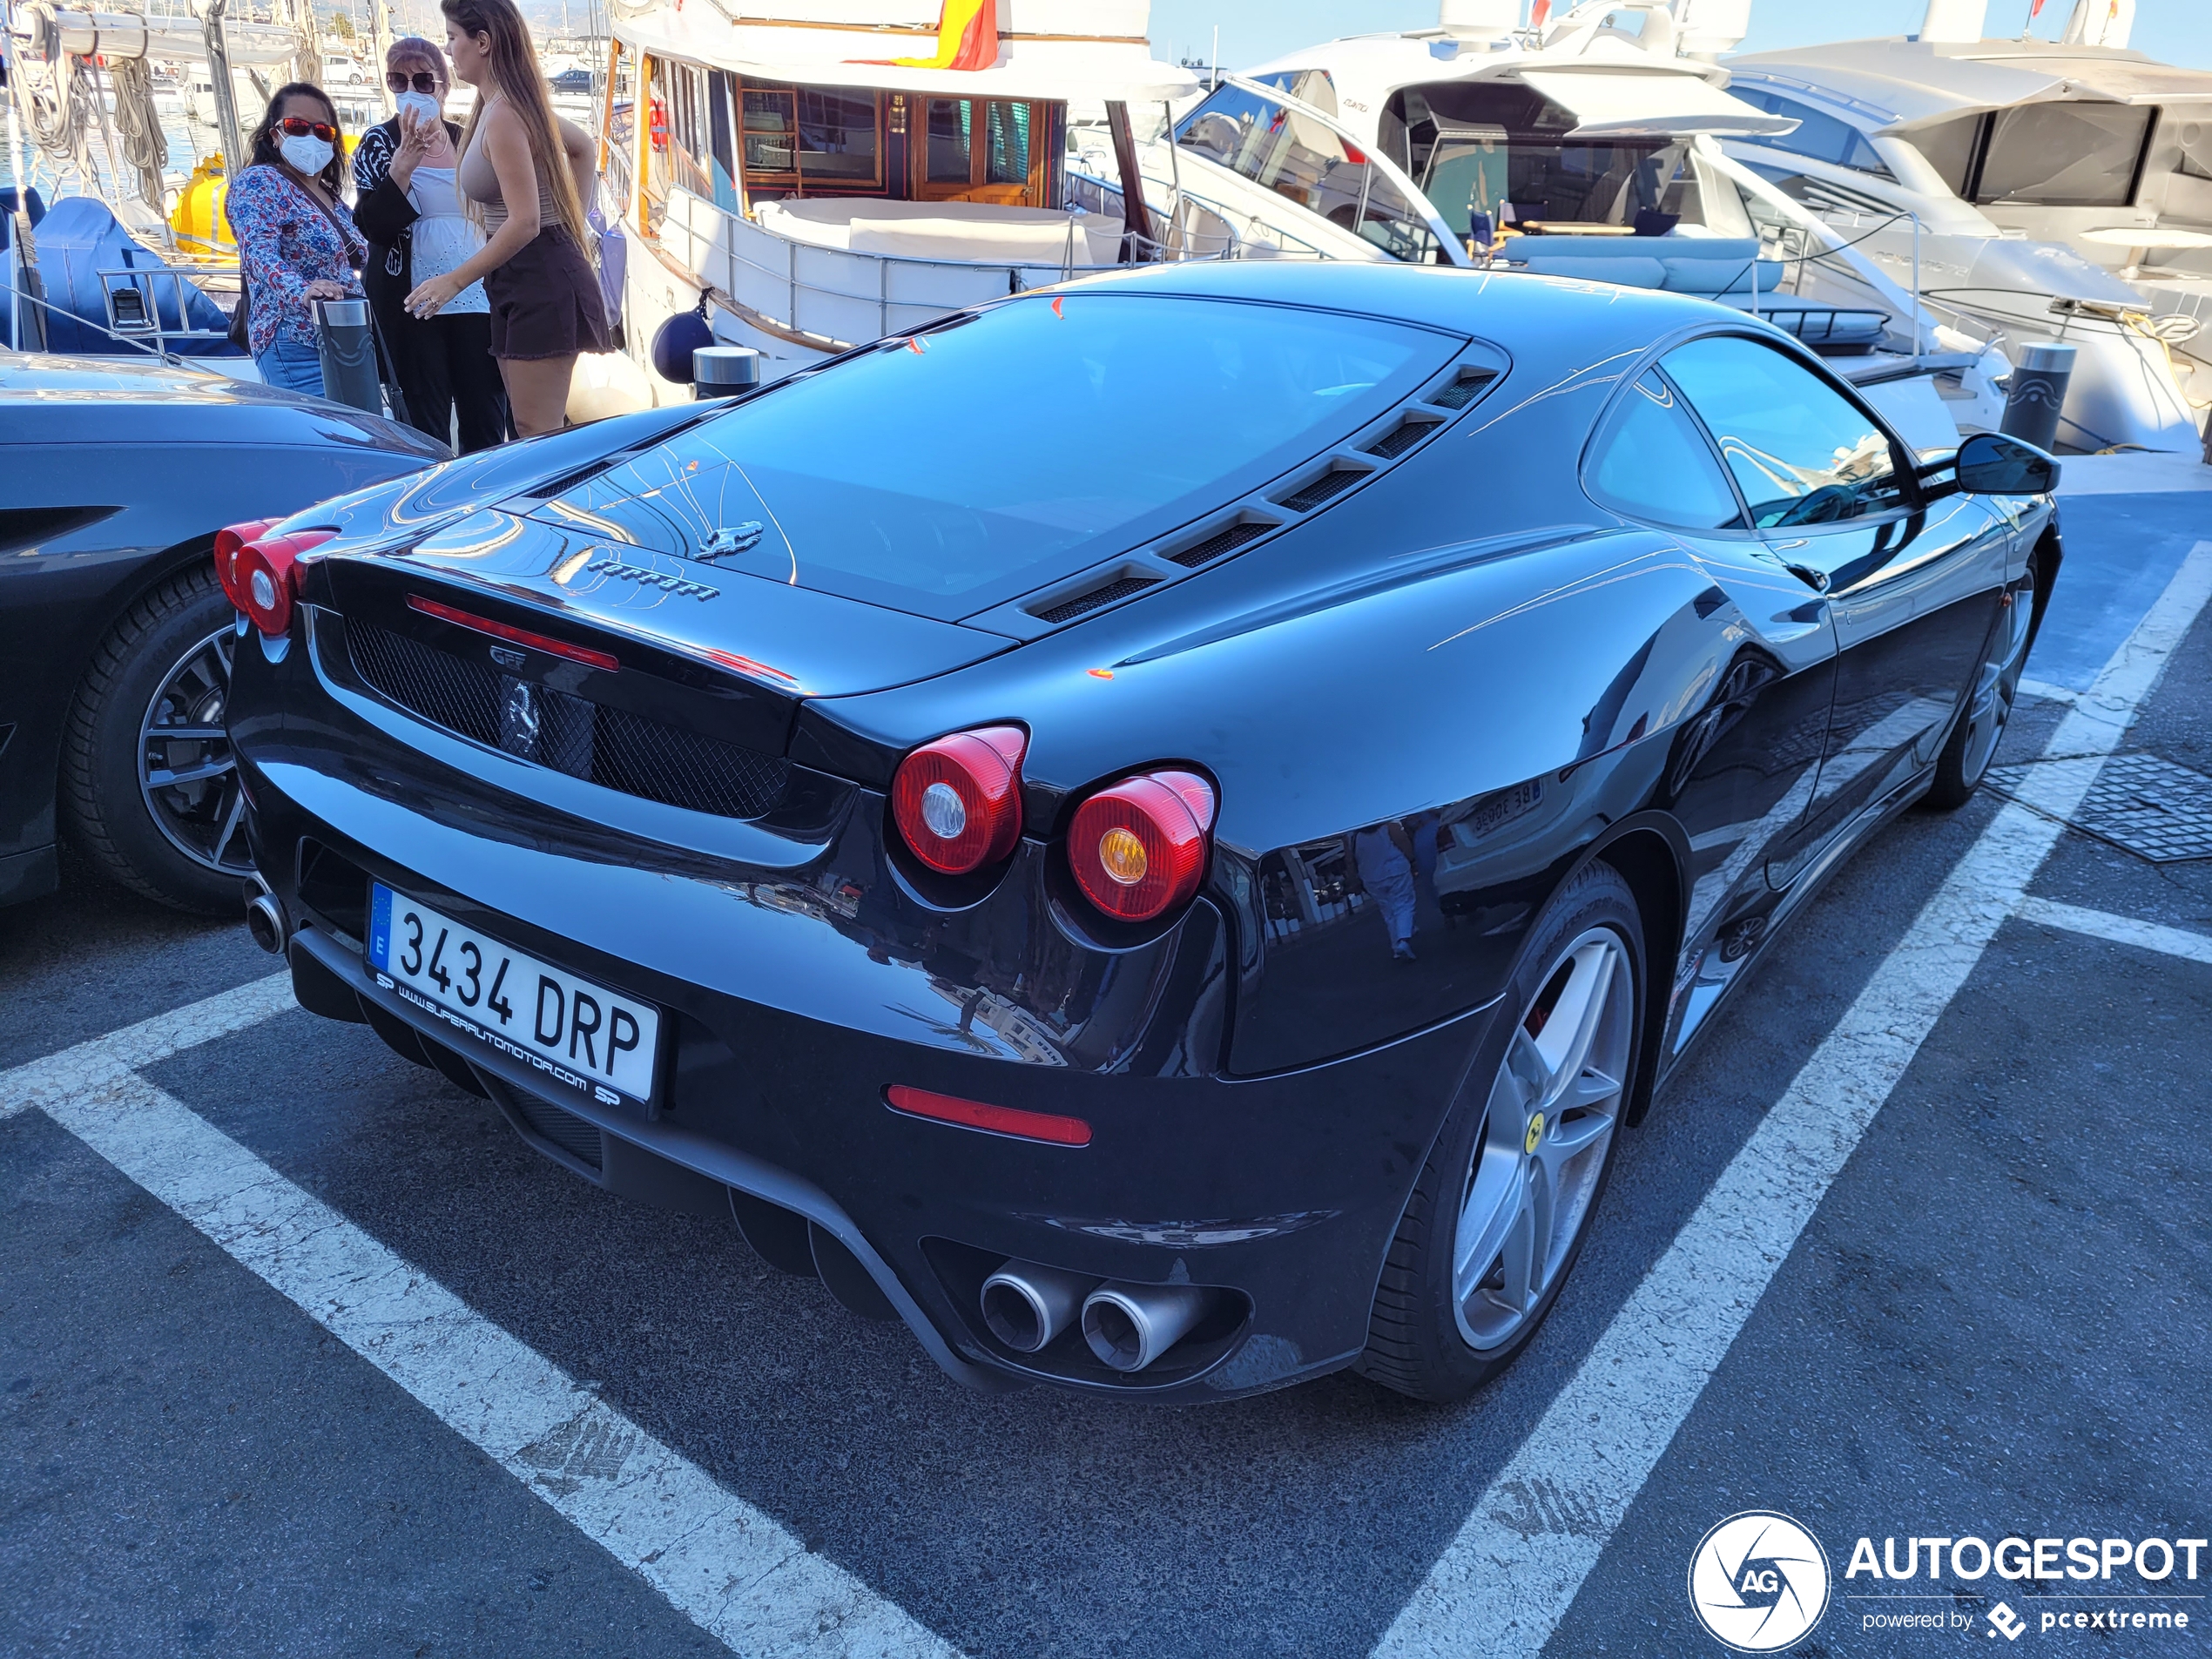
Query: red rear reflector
(958,801)
(997,1120)
(265,577)
(228,540)
(513,635)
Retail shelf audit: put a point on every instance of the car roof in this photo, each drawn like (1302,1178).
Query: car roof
(1534,318)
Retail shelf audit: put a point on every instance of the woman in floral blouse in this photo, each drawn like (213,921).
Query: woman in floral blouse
(296,242)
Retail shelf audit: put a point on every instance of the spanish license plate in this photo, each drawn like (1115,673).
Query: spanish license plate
(602,1043)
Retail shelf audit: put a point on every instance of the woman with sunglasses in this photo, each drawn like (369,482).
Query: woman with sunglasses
(530,173)
(411,209)
(296,242)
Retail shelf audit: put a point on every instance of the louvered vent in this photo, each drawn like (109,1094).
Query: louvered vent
(1402,437)
(1314,492)
(561,484)
(1222,541)
(1119,588)
(1464,390)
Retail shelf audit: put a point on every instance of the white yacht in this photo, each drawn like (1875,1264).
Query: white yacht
(2050,191)
(845,171)
(1591,148)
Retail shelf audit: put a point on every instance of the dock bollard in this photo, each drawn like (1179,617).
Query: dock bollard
(2037,389)
(724,371)
(348,350)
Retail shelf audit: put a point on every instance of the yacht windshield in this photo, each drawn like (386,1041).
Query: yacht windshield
(1305,161)
(949,471)
(1502,148)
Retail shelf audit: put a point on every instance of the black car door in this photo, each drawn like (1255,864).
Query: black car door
(1910,586)
(1744,759)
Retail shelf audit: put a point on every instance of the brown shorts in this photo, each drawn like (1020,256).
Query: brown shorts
(545,300)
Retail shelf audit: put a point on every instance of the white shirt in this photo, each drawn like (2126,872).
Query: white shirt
(445,238)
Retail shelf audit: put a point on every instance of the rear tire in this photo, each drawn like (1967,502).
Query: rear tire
(1506,1196)
(151,709)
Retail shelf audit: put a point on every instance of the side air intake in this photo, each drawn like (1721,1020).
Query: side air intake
(1325,487)
(1463,387)
(1067,609)
(1226,539)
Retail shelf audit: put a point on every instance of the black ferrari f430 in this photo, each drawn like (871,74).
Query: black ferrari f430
(1159,830)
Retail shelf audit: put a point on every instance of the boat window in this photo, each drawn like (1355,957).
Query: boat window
(1297,157)
(935,474)
(798,138)
(979,150)
(1823,137)
(1801,451)
(1949,146)
(1652,462)
(2065,155)
(682,136)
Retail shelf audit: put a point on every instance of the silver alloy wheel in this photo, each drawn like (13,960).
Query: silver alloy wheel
(1998,684)
(1541,1149)
(187,771)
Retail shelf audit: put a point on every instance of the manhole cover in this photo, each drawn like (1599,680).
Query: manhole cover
(2140,803)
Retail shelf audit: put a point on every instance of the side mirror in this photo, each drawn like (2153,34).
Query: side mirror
(1991,464)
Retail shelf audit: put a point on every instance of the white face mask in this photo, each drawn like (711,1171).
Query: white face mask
(425,108)
(309,154)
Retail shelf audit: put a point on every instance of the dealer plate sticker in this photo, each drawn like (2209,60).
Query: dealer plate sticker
(600,1042)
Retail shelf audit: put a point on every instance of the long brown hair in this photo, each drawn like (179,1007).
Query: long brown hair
(516,77)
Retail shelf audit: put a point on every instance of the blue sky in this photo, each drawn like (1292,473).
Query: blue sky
(2174,31)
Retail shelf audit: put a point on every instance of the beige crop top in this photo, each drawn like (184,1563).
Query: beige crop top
(480,182)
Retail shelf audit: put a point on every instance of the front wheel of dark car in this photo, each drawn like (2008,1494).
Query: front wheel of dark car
(1506,1198)
(149,787)
(1980,725)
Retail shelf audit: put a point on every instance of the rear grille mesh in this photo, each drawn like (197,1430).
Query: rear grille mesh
(1464,390)
(609,746)
(1221,541)
(1407,433)
(1069,610)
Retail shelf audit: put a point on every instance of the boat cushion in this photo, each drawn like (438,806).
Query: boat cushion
(1623,271)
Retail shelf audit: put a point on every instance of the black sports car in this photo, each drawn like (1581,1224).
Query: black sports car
(116,639)
(1156,830)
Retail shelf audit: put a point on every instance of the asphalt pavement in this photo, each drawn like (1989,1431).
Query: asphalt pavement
(1993,1321)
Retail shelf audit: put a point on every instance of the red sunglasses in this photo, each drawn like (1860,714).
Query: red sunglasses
(298,127)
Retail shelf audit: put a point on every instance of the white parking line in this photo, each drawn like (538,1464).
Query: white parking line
(1505,1582)
(727,1566)
(2120,930)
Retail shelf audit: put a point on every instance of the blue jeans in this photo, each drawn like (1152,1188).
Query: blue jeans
(294,367)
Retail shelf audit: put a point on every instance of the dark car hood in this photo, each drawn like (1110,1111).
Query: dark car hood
(137,401)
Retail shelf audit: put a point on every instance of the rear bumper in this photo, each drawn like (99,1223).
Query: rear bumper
(1283,1192)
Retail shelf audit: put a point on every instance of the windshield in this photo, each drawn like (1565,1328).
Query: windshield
(1502,149)
(947,472)
(1304,161)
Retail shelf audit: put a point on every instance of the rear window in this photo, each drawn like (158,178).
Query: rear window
(947,473)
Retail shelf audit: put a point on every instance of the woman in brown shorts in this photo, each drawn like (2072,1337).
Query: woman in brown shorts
(530,172)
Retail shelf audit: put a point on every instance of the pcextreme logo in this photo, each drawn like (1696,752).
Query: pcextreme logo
(1758,1581)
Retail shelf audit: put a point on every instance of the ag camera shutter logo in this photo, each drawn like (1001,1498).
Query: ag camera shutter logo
(1758,1581)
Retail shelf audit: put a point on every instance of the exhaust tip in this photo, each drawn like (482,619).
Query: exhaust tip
(1128,1327)
(1027,1305)
(1015,1316)
(266,922)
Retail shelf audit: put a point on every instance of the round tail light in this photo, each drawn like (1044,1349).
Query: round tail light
(265,577)
(958,801)
(1138,848)
(228,541)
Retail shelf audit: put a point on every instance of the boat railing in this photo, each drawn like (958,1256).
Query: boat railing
(133,295)
(826,297)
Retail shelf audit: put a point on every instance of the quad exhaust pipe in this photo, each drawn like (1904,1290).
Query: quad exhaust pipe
(1128,1326)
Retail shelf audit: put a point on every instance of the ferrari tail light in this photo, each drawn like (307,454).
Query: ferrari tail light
(228,541)
(265,577)
(1139,847)
(958,801)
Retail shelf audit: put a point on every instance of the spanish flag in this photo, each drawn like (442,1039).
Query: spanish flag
(967,37)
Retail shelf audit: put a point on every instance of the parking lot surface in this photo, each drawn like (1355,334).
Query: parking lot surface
(301,1351)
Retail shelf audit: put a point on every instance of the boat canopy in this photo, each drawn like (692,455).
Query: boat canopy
(1900,82)
(1074,51)
(1616,102)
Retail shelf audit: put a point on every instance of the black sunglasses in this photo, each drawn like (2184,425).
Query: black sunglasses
(298,127)
(424,81)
